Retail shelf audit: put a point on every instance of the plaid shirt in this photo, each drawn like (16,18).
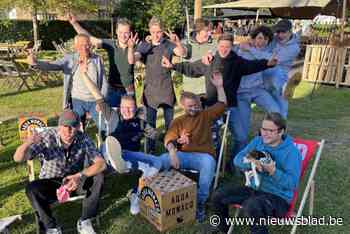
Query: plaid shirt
(58,162)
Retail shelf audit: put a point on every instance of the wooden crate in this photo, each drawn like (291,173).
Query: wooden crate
(327,64)
(169,200)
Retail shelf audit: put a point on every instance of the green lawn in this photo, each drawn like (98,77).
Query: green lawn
(326,116)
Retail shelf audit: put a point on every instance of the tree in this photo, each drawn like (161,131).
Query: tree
(59,6)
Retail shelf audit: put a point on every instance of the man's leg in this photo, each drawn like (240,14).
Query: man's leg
(41,193)
(92,187)
(168,115)
(142,161)
(78,107)
(225,196)
(263,205)
(91,108)
(239,124)
(152,120)
(205,164)
(264,100)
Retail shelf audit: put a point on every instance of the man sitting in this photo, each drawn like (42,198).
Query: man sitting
(64,154)
(279,177)
(128,130)
(189,140)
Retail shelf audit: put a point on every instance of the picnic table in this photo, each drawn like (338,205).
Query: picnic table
(10,50)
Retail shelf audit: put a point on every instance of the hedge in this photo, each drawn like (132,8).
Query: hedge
(55,30)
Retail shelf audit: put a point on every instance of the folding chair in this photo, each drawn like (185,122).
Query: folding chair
(307,149)
(31,175)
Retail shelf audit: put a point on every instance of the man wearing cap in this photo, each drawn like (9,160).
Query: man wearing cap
(286,47)
(68,157)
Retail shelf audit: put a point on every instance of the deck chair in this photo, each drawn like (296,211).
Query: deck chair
(223,144)
(308,149)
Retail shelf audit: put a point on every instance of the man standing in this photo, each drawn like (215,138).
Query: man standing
(64,154)
(189,141)
(278,178)
(286,47)
(197,47)
(158,88)
(76,94)
(120,56)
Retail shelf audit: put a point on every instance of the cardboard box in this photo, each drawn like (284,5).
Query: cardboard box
(169,200)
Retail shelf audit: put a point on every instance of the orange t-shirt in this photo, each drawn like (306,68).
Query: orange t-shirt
(199,128)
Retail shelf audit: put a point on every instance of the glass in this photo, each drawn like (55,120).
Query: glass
(269,130)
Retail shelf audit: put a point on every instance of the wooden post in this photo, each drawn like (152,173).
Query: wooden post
(197,9)
(341,50)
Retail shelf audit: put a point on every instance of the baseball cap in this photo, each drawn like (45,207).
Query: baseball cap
(283,25)
(69,118)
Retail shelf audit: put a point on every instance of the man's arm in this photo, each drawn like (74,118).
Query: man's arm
(179,50)
(56,65)
(288,176)
(22,152)
(191,69)
(97,42)
(247,67)
(239,158)
(170,143)
(98,166)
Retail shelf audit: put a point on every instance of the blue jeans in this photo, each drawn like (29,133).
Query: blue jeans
(114,96)
(81,107)
(152,120)
(202,162)
(275,79)
(137,159)
(240,116)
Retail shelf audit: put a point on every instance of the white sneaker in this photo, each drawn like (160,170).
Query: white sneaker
(134,204)
(54,231)
(85,227)
(114,154)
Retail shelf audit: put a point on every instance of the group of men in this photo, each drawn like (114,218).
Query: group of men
(233,78)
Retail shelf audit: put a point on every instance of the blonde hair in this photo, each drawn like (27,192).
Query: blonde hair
(155,21)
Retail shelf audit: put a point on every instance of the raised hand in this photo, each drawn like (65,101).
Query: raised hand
(216,79)
(184,138)
(206,59)
(166,63)
(273,60)
(173,37)
(133,40)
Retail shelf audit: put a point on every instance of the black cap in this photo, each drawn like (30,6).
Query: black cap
(283,25)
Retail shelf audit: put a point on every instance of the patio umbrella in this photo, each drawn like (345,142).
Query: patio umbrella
(295,9)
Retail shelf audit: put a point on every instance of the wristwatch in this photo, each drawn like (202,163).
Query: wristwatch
(82,176)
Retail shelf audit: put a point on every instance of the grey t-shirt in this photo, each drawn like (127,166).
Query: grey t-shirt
(79,89)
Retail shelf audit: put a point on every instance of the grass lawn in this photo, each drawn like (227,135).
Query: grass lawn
(326,116)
